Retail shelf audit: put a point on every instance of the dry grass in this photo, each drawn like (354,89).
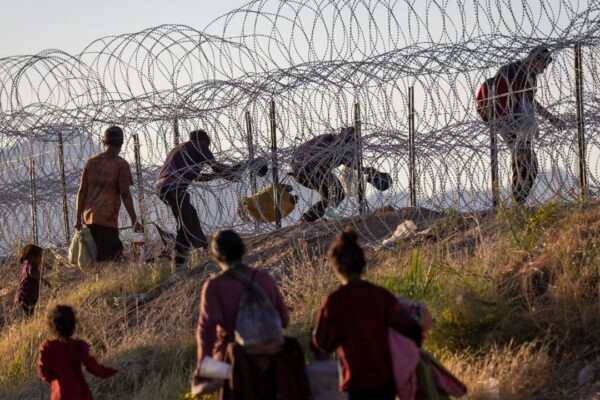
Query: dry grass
(515,299)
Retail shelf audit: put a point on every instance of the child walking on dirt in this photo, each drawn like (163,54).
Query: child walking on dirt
(60,358)
(28,292)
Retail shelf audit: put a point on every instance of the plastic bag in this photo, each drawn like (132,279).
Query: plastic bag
(201,386)
(380,180)
(261,206)
(83,251)
(258,327)
(74,248)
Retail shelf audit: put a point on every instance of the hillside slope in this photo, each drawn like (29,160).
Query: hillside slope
(514,297)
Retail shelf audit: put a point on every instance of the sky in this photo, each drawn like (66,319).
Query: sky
(30,26)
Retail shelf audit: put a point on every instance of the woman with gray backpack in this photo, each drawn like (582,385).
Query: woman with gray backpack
(242,352)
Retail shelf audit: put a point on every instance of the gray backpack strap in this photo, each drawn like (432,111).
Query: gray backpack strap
(245,279)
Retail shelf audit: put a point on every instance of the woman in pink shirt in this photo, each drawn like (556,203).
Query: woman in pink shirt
(221,297)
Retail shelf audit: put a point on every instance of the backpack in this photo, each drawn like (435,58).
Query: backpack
(494,91)
(258,327)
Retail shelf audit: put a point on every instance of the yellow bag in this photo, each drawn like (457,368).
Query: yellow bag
(261,206)
(83,250)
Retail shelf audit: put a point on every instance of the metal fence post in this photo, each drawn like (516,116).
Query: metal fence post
(176,130)
(250,143)
(276,194)
(583,183)
(494,148)
(63,188)
(412,185)
(33,199)
(362,203)
(140,185)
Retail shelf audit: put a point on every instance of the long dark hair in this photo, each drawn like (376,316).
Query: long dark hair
(29,253)
(345,254)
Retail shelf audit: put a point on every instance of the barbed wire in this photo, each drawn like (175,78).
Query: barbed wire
(315,59)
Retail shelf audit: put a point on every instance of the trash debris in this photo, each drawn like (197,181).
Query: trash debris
(331,214)
(403,231)
(138,298)
(586,374)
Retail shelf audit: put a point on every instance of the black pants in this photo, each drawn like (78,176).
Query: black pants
(108,243)
(189,231)
(524,170)
(386,392)
(324,182)
(27,308)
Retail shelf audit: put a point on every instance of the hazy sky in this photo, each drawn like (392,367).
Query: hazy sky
(29,26)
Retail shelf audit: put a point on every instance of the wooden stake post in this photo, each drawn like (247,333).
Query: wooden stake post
(412,184)
(583,183)
(362,203)
(494,149)
(140,183)
(250,144)
(63,188)
(276,194)
(33,199)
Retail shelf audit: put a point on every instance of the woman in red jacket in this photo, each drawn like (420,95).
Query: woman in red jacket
(60,358)
(354,320)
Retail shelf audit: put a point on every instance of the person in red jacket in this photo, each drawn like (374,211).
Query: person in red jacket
(355,318)
(219,306)
(28,292)
(61,358)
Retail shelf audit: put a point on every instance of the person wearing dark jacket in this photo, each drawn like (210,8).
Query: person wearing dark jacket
(354,320)
(184,165)
(219,306)
(28,292)
(518,125)
(313,163)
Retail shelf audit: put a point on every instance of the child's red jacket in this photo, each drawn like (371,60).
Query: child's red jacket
(60,365)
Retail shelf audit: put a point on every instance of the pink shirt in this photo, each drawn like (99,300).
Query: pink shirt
(219,308)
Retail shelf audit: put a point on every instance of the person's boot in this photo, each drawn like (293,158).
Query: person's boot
(178,262)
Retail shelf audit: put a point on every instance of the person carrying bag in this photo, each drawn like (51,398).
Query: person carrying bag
(241,321)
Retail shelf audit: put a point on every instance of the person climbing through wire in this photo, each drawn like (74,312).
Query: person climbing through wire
(514,106)
(184,165)
(313,163)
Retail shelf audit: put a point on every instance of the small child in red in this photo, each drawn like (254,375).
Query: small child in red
(28,292)
(61,358)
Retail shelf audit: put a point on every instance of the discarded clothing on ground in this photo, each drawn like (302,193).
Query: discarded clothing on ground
(403,231)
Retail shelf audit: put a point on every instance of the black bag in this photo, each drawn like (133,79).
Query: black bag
(380,180)
(258,327)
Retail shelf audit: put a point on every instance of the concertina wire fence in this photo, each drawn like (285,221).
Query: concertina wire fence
(317,63)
